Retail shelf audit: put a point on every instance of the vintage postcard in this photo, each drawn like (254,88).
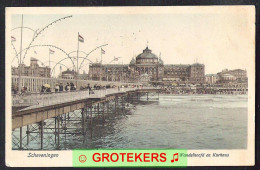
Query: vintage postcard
(130,86)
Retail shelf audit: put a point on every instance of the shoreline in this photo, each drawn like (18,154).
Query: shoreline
(197,94)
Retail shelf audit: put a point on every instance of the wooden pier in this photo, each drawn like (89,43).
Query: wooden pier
(56,118)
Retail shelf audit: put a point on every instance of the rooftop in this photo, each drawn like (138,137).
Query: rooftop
(147,54)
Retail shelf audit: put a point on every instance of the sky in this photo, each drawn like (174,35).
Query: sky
(217,38)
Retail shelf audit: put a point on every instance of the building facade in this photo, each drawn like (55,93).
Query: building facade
(34,70)
(68,74)
(108,72)
(237,75)
(211,78)
(147,67)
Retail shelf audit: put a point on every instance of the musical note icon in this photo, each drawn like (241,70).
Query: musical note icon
(175,159)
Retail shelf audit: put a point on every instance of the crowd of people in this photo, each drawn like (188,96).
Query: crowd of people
(67,87)
(59,87)
(15,90)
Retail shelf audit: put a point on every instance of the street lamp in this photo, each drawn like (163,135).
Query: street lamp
(21,49)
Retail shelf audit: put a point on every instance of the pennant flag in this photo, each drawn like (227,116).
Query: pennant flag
(102,51)
(81,39)
(13,38)
(51,51)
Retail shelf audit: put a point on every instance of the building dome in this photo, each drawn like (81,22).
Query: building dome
(147,54)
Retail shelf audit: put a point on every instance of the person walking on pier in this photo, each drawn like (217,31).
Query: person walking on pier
(57,88)
(61,87)
(89,89)
(67,87)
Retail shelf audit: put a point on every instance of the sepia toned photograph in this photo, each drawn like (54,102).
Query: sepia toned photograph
(136,77)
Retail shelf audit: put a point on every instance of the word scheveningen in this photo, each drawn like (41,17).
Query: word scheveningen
(42,155)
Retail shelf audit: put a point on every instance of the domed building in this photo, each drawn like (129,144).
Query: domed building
(147,67)
(146,63)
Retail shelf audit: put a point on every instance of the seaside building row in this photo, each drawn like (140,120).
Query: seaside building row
(145,67)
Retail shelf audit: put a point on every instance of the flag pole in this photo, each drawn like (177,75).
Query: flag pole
(78,54)
(20,61)
(101,56)
(77,63)
(100,79)
(49,59)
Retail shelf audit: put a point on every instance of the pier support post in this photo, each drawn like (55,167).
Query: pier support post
(41,131)
(65,127)
(98,109)
(27,134)
(147,96)
(21,138)
(122,104)
(103,113)
(84,116)
(107,107)
(82,121)
(55,130)
(58,134)
(115,104)
(91,123)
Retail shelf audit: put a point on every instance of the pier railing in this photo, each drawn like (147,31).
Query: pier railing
(45,99)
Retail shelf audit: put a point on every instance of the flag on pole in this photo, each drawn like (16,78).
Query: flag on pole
(13,38)
(51,51)
(102,51)
(81,39)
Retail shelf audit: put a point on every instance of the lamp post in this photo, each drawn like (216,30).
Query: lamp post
(20,61)
(21,49)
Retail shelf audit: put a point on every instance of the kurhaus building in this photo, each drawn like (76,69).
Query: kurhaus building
(148,67)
